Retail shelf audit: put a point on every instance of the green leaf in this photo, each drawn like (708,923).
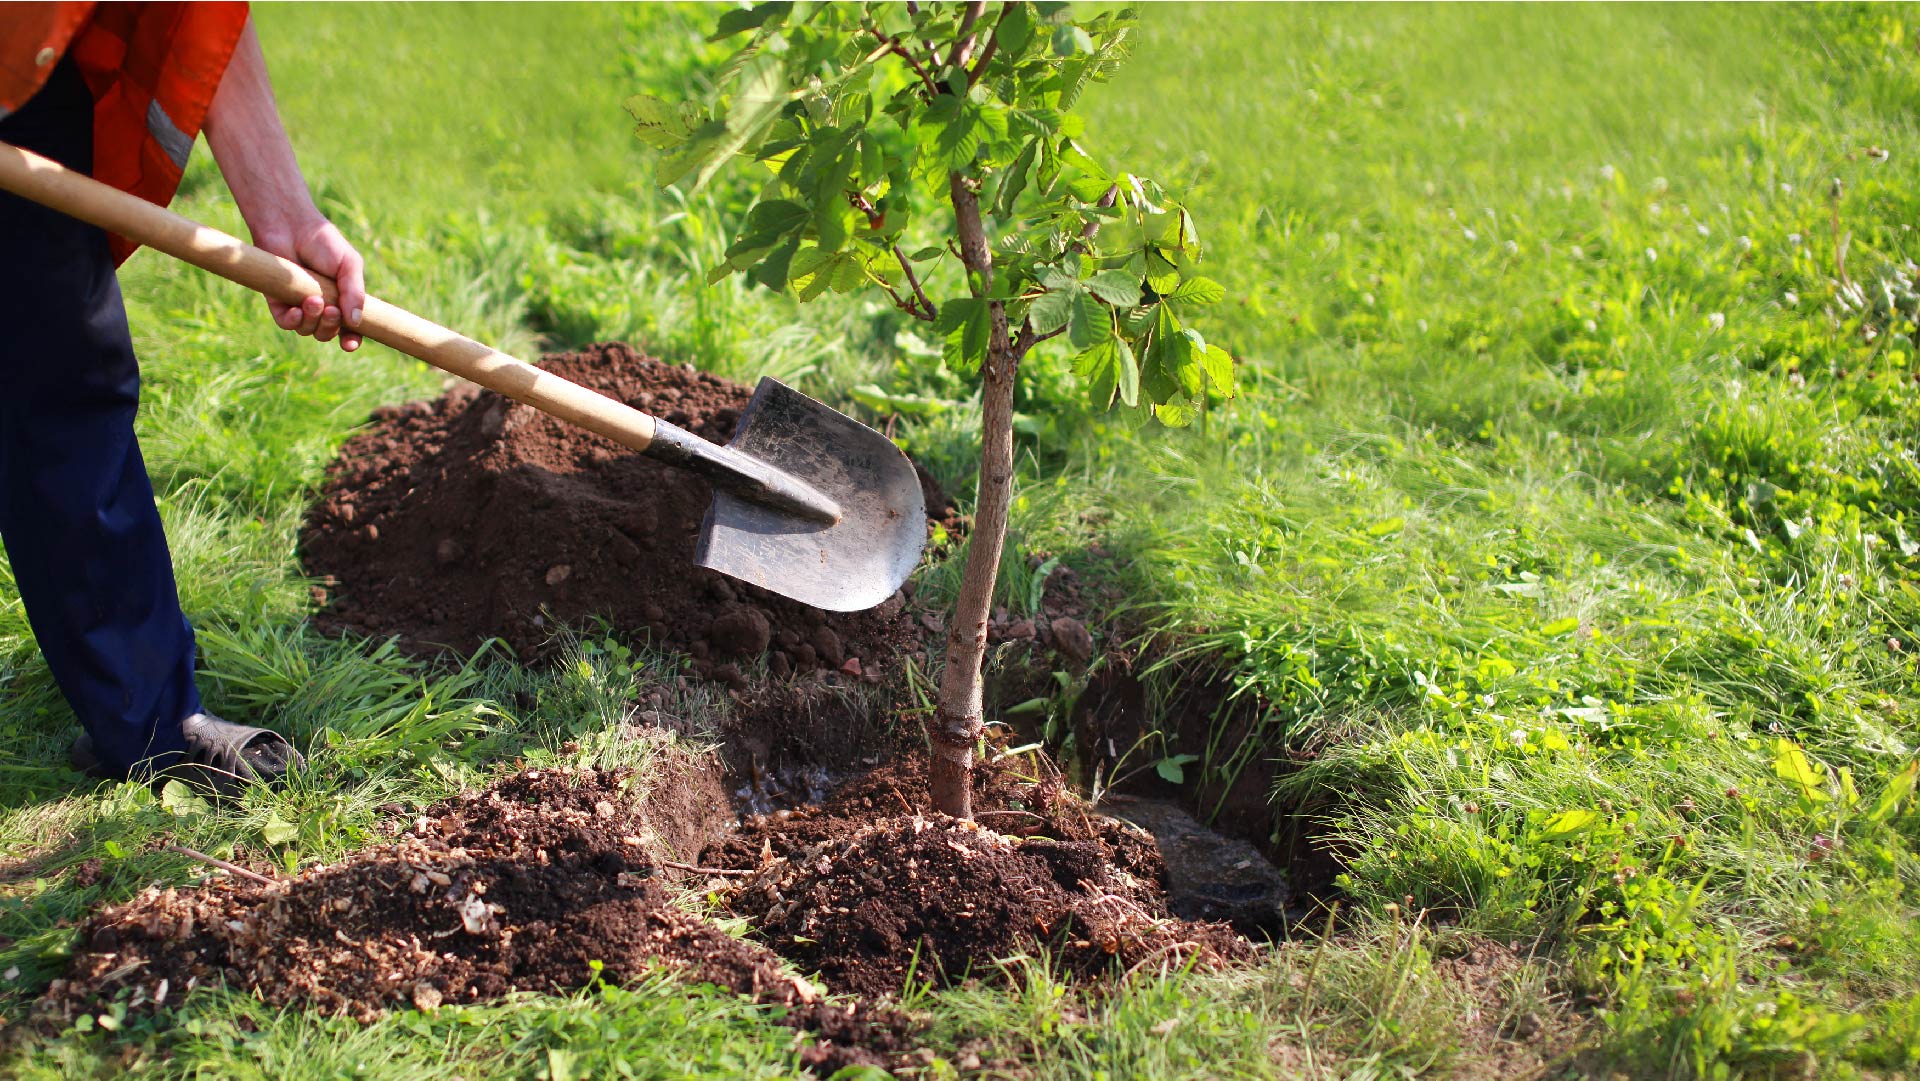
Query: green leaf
(1071,154)
(1128,372)
(1561,626)
(1100,367)
(1014,180)
(1175,414)
(1070,40)
(740,20)
(755,106)
(1162,276)
(1172,768)
(1792,765)
(773,270)
(1385,526)
(807,260)
(1091,321)
(1199,291)
(1015,30)
(1570,824)
(277,830)
(661,124)
(177,798)
(1051,310)
(848,273)
(913,405)
(1218,364)
(965,323)
(955,141)
(1182,360)
(1898,790)
(775,217)
(834,221)
(1116,287)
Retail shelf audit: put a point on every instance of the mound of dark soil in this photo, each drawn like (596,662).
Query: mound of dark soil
(521,887)
(868,893)
(451,521)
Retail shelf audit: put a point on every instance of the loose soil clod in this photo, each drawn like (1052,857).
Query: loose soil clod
(451,521)
(870,894)
(521,887)
(524,886)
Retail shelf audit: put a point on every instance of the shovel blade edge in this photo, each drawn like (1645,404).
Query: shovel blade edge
(849,566)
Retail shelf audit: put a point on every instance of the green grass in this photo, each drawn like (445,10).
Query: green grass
(1568,495)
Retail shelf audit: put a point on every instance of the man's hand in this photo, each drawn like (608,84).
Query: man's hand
(318,246)
(243,129)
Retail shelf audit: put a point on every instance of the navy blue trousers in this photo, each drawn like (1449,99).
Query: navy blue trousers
(76,508)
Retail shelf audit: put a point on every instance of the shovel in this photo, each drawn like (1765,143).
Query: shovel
(807,502)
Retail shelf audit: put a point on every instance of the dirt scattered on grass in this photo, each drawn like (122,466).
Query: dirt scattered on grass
(1515,1024)
(471,516)
(870,894)
(525,885)
(518,888)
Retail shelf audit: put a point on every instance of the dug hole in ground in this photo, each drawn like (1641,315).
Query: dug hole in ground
(470,517)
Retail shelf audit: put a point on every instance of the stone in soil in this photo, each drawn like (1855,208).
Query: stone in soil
(1210,876)
(469,517)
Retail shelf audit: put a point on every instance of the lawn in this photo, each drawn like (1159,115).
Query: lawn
(1552,569)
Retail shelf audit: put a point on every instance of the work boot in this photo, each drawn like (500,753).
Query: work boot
(222,757)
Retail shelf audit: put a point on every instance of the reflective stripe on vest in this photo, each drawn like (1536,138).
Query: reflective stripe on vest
(177,144)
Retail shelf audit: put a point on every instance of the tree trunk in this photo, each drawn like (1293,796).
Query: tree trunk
(956,723)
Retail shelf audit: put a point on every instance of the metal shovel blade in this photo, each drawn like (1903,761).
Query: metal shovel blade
(848,566)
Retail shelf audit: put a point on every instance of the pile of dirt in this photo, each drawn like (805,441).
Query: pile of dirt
(521,887)
(451,521)
(870,894)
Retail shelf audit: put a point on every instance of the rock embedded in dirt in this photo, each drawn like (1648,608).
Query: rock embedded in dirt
(1072,639)
(1210,876)
(552,525)
(740,630)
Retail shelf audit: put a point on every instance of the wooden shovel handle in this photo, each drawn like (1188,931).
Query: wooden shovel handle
(51,184)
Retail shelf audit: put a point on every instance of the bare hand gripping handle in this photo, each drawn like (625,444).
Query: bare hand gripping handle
(51,184)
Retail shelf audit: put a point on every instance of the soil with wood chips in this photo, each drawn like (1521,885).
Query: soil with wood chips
(519,888)
(471,516)
(872,895)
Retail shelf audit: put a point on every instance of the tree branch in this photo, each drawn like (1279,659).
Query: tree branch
(930,312)
(875,220)
(963,48)
(905,304)
(895,47)
(993,46)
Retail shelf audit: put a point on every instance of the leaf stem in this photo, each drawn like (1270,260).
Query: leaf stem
(927,310)
(895,47)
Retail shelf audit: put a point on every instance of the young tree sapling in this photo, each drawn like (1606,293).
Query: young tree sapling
(927,150)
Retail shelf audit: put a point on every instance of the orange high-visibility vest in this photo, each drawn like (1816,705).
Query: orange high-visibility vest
(152,67)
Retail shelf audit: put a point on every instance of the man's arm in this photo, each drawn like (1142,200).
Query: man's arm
(243,129)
